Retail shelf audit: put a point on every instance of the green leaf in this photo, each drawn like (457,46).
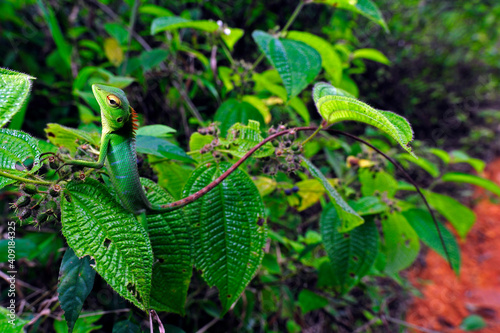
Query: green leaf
(427,165)
(94,224)
(14,90)
(233,35)
(76,279)
(371,54)
(70,138)
(126,326)
(263,83)
(350,219)
(242,138)
(259,105)
(19,154)
(461,217)
(334,106)
(171,243)
(300,107)
(154,10)
(459,177)
(367,8)
(380,182)
(310,301)
(228,230)
(296,62)
(161,148)
(421,222)
(351,253)
(175,22)
(196,142)
(443,155)
(10,324)
(401,243)
(473,323)
(152,58)
(171,175)
(117,31)
(233,111)
(368,206)
(159,131)
(458,156)
(330,60)
(82,325)
(63,47)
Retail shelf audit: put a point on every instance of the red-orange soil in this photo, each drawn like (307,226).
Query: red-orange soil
(448,299)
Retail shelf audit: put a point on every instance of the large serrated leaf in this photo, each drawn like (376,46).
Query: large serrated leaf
(241,138)
(351,253)
(16,149)
(366,8)
(70,138)
(95,224)
(296,62)
(76,279)
(14,89)
(401,243)
(421,222)
(350,219)
(171,243)
(175,22)
(330,60)
(228,230)
(334,106)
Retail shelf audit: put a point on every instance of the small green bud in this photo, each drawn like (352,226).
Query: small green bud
(29,188)
(24,214)
(22,201)
(50,207)
(42,217)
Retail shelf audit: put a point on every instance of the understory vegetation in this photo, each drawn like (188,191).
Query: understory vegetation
(348,134)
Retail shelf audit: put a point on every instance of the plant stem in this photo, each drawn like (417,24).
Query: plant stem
(133,17)
(312,135)
(293,17)
(25,180)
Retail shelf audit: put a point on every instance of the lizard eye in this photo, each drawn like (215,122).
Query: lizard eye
(113,101)
(119,119)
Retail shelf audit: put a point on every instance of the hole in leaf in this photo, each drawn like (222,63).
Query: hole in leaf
(352,275)
(67,197)
(228,296)
(107,243)
(51,134)
(131,288)
(407,243)
(161,260)
(260,222)
(20,167)
(347,235)
(355,258)
(183,271)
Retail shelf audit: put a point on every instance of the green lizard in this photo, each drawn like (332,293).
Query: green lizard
(118,154)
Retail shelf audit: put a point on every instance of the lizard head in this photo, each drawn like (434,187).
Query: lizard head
(115,108)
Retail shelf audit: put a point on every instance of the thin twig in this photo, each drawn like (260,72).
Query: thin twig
(133,18)
(207,326)
(407,324)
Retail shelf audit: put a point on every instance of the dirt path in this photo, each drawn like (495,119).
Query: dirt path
(448,299)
